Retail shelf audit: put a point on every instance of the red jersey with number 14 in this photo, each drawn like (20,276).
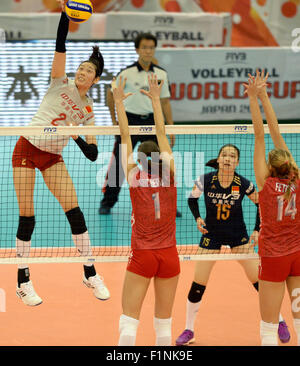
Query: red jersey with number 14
(153,212)
(280,220)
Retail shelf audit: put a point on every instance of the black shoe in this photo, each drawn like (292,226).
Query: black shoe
(104,210)
(178,214)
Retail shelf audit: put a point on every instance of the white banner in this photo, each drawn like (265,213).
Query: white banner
(173,30)
(206,84)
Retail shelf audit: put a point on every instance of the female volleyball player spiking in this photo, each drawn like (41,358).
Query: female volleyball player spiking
(153,241)
(224,224)
(45,154)
(279,199)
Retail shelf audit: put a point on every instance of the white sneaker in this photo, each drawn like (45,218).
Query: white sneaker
(96,283)
(28,295)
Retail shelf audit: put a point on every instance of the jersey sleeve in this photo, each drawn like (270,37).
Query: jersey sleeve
(59,81)
(198,187)
(248,186)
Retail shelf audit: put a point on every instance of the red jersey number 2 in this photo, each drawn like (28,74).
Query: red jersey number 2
(290,209)
(62,117)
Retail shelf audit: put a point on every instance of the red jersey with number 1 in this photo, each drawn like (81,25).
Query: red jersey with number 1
(280,220)
(153,212)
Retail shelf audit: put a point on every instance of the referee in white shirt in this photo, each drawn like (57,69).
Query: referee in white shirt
(139,112)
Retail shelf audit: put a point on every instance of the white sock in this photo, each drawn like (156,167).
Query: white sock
(280,318)
(127,328)
(163,330)
(268,334)
(297,329)
(83,245)
(23,250)
(191,314)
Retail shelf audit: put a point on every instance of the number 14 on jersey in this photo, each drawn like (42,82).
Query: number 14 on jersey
(290,209)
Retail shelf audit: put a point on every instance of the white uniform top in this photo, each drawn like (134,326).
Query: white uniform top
(61,104)
(137,79)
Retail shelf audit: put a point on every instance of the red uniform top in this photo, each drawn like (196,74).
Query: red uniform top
(280,220)
(154,207)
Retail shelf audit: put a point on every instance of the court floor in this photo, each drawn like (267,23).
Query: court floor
(70,315)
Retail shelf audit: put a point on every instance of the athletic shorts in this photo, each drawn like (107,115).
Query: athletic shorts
(150,263)
(26,155)
(209,241)
(278,269)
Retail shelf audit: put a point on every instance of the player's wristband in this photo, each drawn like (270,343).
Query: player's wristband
(257,222)
(194,207)
(62,32)
(90,151)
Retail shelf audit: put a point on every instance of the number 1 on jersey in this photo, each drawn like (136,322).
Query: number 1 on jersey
(290,209)
(155,198)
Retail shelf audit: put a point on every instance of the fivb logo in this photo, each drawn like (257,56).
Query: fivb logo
(145,129)
(241,129)
(50,130)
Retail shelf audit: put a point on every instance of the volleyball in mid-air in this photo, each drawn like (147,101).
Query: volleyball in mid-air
(79,11)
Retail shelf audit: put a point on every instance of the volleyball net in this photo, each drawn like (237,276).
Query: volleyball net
(110,235)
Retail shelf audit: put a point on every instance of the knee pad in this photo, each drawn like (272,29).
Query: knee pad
(25,228)
(163,327)
(163,331)
(196,292)
(268,334)
(128,325)
(76,221)
(127,328)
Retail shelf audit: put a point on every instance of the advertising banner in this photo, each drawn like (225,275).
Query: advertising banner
(171,30)
(207,85)
(257,23)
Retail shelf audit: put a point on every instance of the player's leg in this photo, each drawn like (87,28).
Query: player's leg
(293,285)
(165,290)
(270,299)
(197,289)
(165,284)
(24,181)
(250,267)
(134,291)
(60,184)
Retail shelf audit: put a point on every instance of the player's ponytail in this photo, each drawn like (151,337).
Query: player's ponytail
(96,59)
(213,163)
(282,166)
